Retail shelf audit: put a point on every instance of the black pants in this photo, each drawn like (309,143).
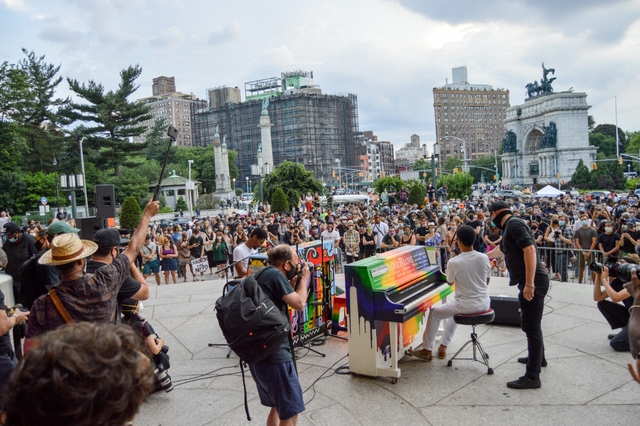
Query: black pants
(617,316)
(531,314)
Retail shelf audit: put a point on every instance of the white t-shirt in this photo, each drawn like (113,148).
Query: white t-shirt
(242,252)
(381,229)
(470,271)
(331,236)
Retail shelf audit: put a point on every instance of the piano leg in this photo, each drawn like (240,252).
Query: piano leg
(393,371)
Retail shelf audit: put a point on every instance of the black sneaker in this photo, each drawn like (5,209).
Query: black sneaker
(525,360)
(524,383)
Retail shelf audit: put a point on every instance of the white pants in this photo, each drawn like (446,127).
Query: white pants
(448,310)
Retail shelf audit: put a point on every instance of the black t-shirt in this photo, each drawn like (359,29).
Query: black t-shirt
(628,246)
(387,239)
(128,289)
(515,237)
(477,243)
(273,228)
(276,286)
(197,250)
(37,279)
(422,231)
(608,241)
(5,340)
(18,253)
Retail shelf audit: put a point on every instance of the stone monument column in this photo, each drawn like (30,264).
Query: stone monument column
(265,135)
(226,178)
(217,159)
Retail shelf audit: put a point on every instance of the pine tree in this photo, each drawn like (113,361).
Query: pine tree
(181,205)
(112,117)
(130,215)
(279,202)
(580,178)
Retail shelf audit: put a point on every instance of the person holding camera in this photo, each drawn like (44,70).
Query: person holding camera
(616,314)
(276,376)
(563,239)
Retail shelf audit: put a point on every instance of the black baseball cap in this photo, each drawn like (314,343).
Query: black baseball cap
(11,227)
(108,238)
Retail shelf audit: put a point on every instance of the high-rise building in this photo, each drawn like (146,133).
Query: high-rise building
(468,113)
(308,126)
(409,153)
(380,157)
(175,108)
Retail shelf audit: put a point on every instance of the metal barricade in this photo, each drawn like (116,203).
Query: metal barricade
(568,263)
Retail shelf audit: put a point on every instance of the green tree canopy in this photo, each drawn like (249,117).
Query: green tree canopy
(417,195)
(279,202)
(459,185)
(452,163)
(606,144)
(610,130)
(294,181)
(111,117)
(181,205)
(388,183)
(489,163)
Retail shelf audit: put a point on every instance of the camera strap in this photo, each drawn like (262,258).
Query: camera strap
(59,306)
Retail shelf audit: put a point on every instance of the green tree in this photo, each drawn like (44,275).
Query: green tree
(423,167)
(417,195)
(591,123)
(606,144)
(294,181)
(388,183)
(181,205)
(610,130)
(38,185)
(279,202)
(130,214)
(37,111)
(157,141)
(580,178)
(459,185)
(13,189)
(452,163)
(600,178)
(489,163)
(633,148)
(113,119)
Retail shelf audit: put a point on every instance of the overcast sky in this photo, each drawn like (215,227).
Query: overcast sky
(391,53)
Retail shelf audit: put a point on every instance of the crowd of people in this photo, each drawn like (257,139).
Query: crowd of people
(567,234)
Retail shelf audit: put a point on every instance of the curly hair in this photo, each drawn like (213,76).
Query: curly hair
(80,374)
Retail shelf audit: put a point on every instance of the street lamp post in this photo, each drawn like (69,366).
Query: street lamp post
(55,174)
(234,186)
(247,178)
(434,157)
(84,181)
(189,186)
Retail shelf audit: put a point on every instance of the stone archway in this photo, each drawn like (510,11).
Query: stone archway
(533,140)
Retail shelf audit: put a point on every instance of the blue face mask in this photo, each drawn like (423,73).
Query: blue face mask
(561,223)
(493,225)
(13,240)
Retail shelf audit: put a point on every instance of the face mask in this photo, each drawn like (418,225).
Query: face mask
(555,222)
(585,223)
(219,238)
(392,233)
(497,221)
(351,227)
(608,229)
(13,240)
(292,272)
(561,223)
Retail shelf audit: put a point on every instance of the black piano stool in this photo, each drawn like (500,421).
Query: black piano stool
(473,320)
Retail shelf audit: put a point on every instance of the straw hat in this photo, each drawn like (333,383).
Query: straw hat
(67,248)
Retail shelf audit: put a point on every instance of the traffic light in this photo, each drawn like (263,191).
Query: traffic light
(594,166)
(333,173)
(620,160)
(455,170)
(495,177)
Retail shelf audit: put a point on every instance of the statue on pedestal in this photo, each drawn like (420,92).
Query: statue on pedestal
(545,84)
(550,136)
(265,105)
(509,142)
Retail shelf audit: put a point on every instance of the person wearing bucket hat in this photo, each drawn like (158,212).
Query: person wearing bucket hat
(518,246)
(37,279)
(88,297)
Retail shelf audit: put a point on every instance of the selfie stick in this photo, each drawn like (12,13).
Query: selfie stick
(172,132)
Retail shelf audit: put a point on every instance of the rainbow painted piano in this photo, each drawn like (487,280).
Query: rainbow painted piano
(387,299)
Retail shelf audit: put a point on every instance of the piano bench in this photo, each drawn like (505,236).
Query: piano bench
(339,304)
(473,320)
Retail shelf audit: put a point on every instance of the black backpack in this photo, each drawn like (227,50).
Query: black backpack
(251,323)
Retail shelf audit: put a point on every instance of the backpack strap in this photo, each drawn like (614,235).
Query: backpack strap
(59,306)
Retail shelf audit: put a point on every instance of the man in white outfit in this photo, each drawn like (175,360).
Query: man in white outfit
(470,271)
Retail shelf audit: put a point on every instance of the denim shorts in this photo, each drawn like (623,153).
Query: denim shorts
(279,387)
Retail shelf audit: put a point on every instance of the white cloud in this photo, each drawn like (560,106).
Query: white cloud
(13,4)
(224,34)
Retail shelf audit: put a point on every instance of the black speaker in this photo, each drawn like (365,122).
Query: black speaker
(105,200)
(89,225)
(507,310)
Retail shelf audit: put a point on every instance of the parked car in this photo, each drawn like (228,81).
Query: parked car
(509,193)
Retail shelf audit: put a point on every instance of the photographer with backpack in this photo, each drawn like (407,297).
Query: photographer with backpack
(276,376)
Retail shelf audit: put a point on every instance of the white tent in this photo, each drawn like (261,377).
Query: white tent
(549,191)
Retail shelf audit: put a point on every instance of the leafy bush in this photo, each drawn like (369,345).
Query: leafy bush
(417,195)
(181,205)
(130,214)
(458,184)
(279,202)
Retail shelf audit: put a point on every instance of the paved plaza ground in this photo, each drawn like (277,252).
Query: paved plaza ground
(586,382)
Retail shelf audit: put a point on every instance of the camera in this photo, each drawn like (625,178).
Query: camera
(556,234)
(622,271)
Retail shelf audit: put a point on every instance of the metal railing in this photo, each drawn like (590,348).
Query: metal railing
(567,263)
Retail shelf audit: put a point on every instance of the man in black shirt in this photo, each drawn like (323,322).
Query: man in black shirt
(133,286)
(477,226)
(276,376)
(19,247)
(422,232)
(526,271)
(196,246)
(608,242)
